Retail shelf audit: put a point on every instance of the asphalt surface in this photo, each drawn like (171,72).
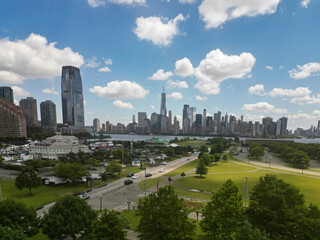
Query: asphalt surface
(116,195)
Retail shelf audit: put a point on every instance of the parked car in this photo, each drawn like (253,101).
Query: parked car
(148,175)
(84,196)
(130,174)
(127,182)
(94,176)
(135,176)
(161,170)
(163,163)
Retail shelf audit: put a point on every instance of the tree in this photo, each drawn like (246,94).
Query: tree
(301,159)
(257,151)
(206,159)
(117,154)
(203,148)
(164,216)
(217,157)
(224,214)
(275,207)
(225,157)
(169,180)
(17,216)
(183,174)
(201,169)
(70,171)
(108,226)
(114,167)
(67,218)
(11,234)
(27,178)
(248,232)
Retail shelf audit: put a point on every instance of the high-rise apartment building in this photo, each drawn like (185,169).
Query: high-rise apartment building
(48,114)
(7,93)
(96,125)
(284,122)
(12,120)
(141,117)
(72,98)
(192,115)
(29,109)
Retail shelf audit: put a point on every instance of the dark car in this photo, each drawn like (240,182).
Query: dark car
(148,175)
(130,174)
(127,182)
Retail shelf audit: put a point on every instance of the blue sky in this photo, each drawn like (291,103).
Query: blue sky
(256,58)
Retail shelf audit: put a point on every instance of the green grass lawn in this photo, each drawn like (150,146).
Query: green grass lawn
(132,218)
(184,168)
(226,166)
(308,186)
(193,143)
(150,182)
(190,194)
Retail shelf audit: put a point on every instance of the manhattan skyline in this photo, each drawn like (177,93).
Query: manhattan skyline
(263,61)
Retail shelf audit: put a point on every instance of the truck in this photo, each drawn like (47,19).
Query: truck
(53,181)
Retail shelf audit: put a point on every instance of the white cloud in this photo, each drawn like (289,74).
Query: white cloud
(281,67)
(129,2)
(153,107)
(92,63)
(33,58)
(187,1)
(97,3)
(216,12)
(199,98)
(298,92)
(16,102)
(269,68)
(20,92)
(184,67)
(217,67)
(305,3)
(104,69)
(175,95)
(177,84)
(50,91)
(258,107)
(123,105)
(280,111)
(257,90)
(120,90)
(160,31)
(307,70)
(108,61)
(161,75)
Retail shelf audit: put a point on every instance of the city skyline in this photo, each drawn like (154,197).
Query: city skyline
(271,59)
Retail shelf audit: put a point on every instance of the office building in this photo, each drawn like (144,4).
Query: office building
(163,108)
(284,122)
(96,125)
(12,120)
(7,93)
(72,98)
(48,114)
(204,117)
(141,117)
(29,109)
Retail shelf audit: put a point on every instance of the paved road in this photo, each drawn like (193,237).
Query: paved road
(115,195)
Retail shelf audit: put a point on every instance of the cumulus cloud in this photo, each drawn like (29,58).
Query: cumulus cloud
(97,3)
(123,105)
(184,67)
(161,75)
(129,2)
(153,107)
(175,95)
(199,98)
(187,1)
(300,95)
(33,58)
(216,12)
(50,91)
(177,84)
(257,90)
(20,92)
(159,31)
(104,69)
(305,3)
(263,107)
(307,70)
(120,90)
(108,61)
(217,67)
(92,62)
(280,111)
(269,68)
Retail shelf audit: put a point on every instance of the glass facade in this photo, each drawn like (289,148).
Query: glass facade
(72,97)
(48,114)
(7,93)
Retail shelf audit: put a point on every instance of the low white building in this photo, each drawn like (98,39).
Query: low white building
(57,146)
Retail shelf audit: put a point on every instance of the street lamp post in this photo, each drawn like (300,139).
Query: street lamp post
(145,181)
(100,202)
(302,165)
(245,201)
(269,161)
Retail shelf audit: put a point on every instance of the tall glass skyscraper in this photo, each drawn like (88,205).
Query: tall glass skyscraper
(163,108)
(48,114)
(72,97)
(7,93)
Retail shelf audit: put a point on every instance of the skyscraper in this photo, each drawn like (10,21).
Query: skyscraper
(12,120)
(204,117)
(192,115)
(29,109)
(7,93)
(185,118)
(72,97)
(96,125)
(284,122)
(141,117)
(48,114)
(163,108)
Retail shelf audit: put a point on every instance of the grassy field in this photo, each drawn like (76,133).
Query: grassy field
(308,186)
(192,143)
(190,194)
(226,166)
(184,168)
(150,182)
(132,218)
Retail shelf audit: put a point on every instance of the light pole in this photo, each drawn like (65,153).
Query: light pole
(302,165)
(245,201)
(269,161)
(145,181)
(100,202)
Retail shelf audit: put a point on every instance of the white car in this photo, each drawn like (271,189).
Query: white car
(161,170)
(163,163)
(135,176)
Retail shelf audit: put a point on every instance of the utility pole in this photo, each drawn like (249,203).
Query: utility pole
(100,202)
(122,152)
(145,181)
(245,201)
